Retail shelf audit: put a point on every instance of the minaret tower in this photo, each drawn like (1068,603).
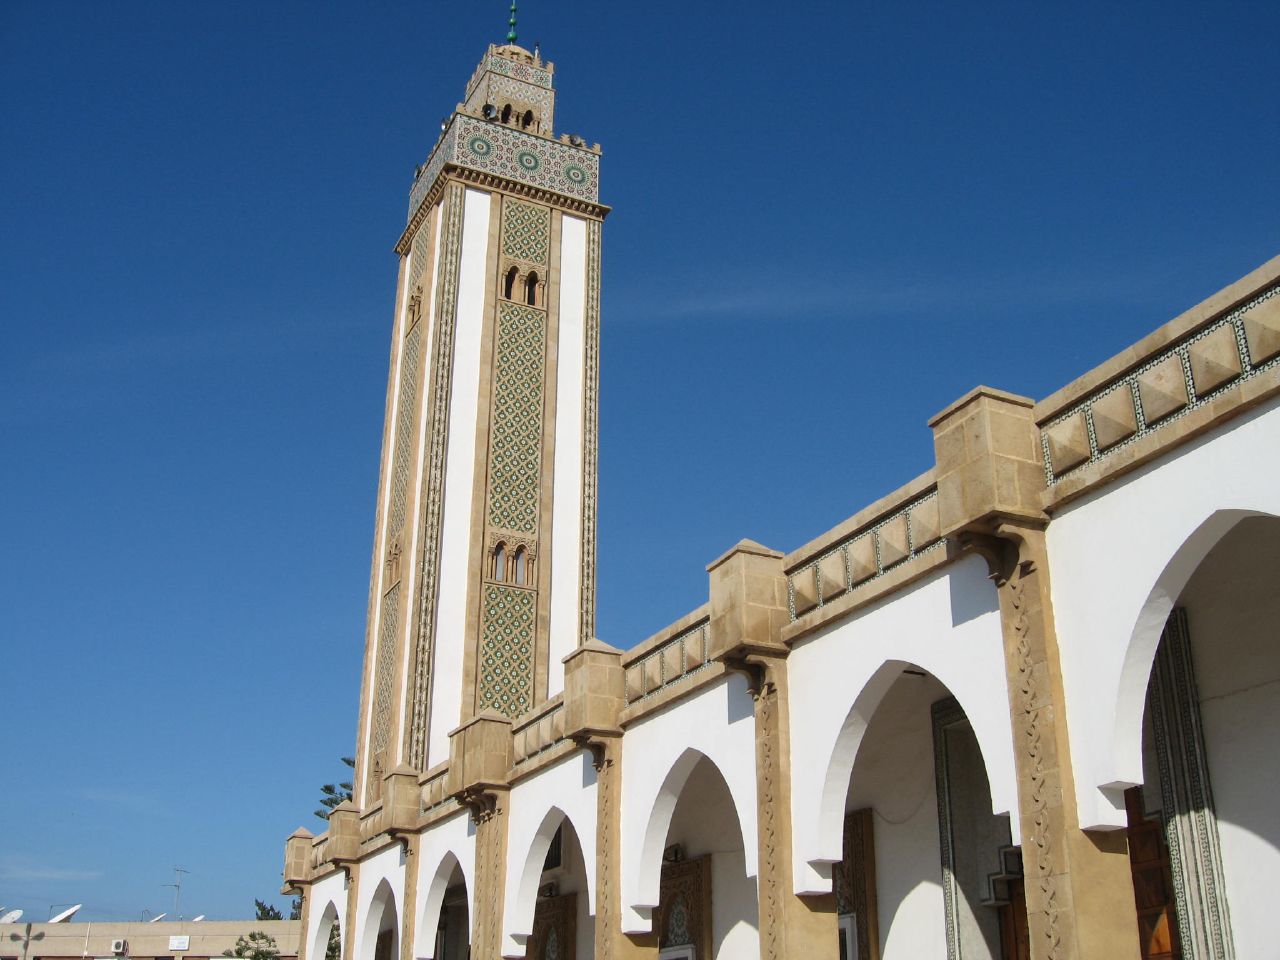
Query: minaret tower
(484,547)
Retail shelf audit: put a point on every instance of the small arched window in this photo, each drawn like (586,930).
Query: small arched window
(509,284)
(521,577)
(500,562)
(527,121)
(531,288)
(506,113)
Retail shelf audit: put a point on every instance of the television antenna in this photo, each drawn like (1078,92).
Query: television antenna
(158,916)
(177,890)
(13,916)
(197,919)
(65,915)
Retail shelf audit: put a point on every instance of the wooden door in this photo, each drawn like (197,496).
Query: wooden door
(1015,939)
(1152,882)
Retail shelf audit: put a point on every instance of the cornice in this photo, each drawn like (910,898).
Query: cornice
(585,208)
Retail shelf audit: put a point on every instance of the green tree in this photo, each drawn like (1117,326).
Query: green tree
(333,951)
(256,946)
(332,794)
(265,911)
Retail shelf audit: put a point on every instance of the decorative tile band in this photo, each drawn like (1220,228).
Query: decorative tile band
(866,555)
(1166,387)
(682,655)
(513,155)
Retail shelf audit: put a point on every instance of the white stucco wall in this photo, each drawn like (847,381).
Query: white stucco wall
(1118,559)
(455,537)
(566,790)
(566,504)
(446,843)
(947,624)
(385,865)
(658,754)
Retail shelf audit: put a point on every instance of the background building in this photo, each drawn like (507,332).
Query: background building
(163,940)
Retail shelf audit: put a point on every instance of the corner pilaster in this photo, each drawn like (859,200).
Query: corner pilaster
(1079,890)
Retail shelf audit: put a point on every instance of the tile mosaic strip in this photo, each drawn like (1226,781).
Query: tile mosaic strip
(1165,388)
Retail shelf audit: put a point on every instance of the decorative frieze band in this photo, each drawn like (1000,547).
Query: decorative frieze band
(1166,387)
(866,555)
(514,155)
(684,654)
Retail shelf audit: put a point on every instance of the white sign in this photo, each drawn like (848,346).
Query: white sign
(179,943)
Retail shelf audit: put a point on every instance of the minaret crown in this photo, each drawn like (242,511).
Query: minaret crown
(504,129)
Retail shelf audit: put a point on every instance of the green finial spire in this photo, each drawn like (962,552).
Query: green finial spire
(511,34)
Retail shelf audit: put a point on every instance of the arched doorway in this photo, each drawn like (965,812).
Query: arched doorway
(1204,826)
(327,943)
(928,869)
(382,926)
(444,928)
(708,905)
(562,923)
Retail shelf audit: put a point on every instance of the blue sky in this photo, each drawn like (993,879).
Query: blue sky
(830,221)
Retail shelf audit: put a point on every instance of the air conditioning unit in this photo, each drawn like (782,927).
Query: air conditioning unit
(119,946)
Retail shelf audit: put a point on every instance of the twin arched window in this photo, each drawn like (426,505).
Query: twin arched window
(530,286)
(511,567)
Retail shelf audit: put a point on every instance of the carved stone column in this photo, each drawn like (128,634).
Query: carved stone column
(1079,889)
(748,610)
(480,754)
(594,695)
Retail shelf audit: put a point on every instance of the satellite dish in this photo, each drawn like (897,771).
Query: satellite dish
(11,917)
(66,914)
(158,916)
(197,919)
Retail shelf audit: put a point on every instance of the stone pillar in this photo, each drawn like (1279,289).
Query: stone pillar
(748,611)
(480,755)
(297,877)
(1079,889)
(594,695)
(491,870)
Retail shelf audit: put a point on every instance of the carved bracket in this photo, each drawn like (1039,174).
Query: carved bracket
(481,803)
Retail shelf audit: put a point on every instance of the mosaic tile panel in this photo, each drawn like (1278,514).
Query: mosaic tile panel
(513,155)
(516,448)
(502,89)
(401,460)
(506,650)
(526,231)
(385,669)
(418,254)
(521,71)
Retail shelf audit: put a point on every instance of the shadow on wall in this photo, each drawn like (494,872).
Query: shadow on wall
(973,594)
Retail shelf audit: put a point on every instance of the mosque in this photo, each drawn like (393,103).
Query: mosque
(1025,706)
